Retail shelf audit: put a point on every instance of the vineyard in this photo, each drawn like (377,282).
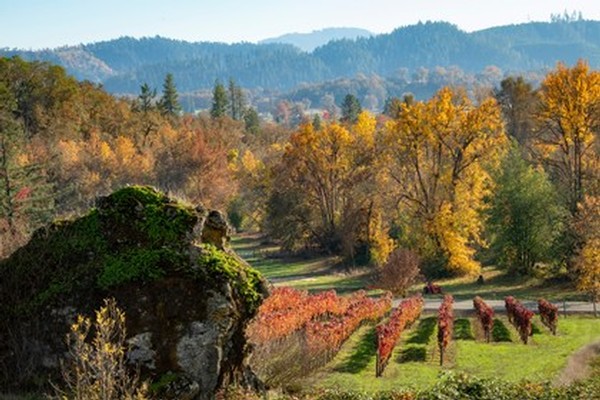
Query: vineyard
(329,340)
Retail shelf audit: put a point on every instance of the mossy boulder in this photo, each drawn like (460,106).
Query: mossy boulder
(186,295)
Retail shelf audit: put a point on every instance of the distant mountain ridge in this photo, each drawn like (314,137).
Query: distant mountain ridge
(123,64)
(310,41)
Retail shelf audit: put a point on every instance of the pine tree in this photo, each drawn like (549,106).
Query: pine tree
(169,103)
(236,101)
(145,99)
(252,121)
(220,101)
(350,109)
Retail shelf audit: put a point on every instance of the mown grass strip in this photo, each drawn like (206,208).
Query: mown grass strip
(500,332)
(462,329)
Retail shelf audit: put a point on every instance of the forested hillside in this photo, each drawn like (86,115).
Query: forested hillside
(122,65)
(510,177)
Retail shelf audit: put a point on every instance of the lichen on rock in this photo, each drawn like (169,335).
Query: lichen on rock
(186,295)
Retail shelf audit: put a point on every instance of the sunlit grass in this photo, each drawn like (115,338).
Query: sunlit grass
(416,364)
(499,284)
(315,273)
(324,273)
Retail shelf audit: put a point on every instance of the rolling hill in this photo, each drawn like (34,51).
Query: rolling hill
(123,64)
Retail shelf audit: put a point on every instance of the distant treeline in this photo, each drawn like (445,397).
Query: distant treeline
(409,54)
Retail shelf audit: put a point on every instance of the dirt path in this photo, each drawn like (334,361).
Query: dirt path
(578,364)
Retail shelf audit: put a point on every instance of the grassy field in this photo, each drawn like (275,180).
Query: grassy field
(315,273)
(415,361)
(323,273)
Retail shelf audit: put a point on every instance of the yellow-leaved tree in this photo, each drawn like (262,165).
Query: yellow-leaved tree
(438,156)
(324,189)
(570,114)
(587,263)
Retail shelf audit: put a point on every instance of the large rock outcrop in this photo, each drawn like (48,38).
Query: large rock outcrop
(187,298)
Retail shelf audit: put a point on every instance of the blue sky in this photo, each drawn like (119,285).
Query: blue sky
(34,24)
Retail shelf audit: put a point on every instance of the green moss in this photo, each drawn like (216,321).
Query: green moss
(135,234)
(58,258)
(137,264)
(147,215)
(161,384)
(220,266)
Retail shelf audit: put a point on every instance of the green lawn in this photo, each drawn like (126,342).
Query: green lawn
(315,273)
(415,361)
(323,273)
(499,284)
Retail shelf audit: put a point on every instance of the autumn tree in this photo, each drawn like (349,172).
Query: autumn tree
(587,263)
(525,216)
(519,103)
(169,101)
(438,155)
(26,196)
(322,186)
(570,118)
(392,107)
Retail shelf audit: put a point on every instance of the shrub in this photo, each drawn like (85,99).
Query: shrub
(401,271)
(96,370)
(520,317)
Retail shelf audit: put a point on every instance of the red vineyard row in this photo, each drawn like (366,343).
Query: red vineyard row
(445,325)
(519,316)
(388,333)
(485,314)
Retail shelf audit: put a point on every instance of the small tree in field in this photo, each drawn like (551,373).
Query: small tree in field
(96,369)
(401,270)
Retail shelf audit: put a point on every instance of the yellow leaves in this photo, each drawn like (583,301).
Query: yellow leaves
(454,241)
(589,268)
(365,128)
(97,369)
(439,151)
(587,225)
(251,164)
(570,97)
(69,152)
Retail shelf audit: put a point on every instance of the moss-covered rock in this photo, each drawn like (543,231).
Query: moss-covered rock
(187,297)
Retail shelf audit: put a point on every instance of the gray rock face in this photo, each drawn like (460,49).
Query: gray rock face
(200,351)
(216,230)
(140,350)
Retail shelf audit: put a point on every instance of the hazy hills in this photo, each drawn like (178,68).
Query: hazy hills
(123,64)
